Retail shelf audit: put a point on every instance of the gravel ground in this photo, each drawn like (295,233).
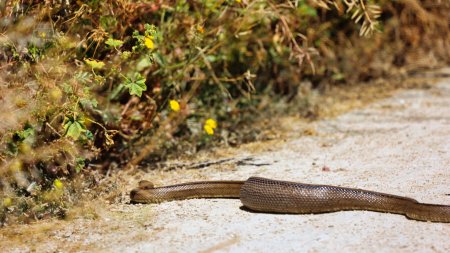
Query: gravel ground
(398,145)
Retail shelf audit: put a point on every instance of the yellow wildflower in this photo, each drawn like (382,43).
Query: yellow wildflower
(55,94)
(58,184)
(200,29)
(16,166)
(25,148)
(238,1)
(208,129)
(212,123)
(209,126)
(94,63)
(148,42)
(174,105)
(7,202)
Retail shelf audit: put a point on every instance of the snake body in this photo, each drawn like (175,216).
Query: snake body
(274,196)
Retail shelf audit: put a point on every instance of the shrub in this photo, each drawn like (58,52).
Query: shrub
(99,84)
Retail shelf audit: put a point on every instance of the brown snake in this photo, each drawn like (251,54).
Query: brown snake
(273,196)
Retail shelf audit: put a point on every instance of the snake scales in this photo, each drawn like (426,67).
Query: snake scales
(273,196)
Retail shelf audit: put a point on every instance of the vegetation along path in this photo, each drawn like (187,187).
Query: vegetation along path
(397,145)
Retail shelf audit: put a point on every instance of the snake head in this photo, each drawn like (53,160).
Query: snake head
(138,195)
(145,185)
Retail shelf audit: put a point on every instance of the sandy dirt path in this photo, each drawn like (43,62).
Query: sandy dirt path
(398,145)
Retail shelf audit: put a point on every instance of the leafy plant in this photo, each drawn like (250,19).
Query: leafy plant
(135,84)
(106,84)
(74,127)
(114,43)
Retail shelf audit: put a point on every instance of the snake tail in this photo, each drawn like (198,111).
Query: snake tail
(429,212)
(274,196)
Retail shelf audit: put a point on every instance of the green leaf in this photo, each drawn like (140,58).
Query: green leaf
(150,30)
(74,128)
(338,76)
(125,55)
(307,10)
(211,58)
(107,22)
(67,88)
(143,63)
(25,133)
(89,135)
(118,90)
(114,43)
(94,64)
(83,77)
(79,164)
(137,36)
(158,59)
(88,102)
(136,84)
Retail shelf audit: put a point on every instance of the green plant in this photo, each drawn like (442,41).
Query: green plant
(102,84)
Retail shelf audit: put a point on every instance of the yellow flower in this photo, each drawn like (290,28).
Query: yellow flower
(200,29)
(238,1)
(174,105)
(208,129)
(25,148)
(212,123)
(58,184)
(94,63)
(7,202)
(209,126)
(16,166)
(149,42)
(55,94)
